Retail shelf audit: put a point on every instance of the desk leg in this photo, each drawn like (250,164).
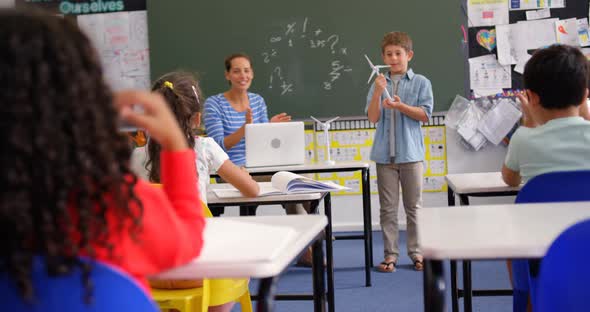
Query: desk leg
(450,196)
(319,290)
(329,252)
(434,286)
(464,200)
(266,291)
(454,291)
(467,289)
(368,226)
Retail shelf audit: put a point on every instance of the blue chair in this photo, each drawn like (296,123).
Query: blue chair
(112,291)
(564,275)
(563,186)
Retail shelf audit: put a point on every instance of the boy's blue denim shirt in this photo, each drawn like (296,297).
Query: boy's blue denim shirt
(414,90)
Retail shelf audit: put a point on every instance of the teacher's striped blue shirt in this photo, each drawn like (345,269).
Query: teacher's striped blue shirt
(222,120)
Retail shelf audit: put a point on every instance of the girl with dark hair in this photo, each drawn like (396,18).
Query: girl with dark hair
(66,185)
(182,93)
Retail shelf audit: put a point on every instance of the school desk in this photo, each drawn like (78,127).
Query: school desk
(478,184)
(508,231)
(366,193)
(263,261)
(314,198)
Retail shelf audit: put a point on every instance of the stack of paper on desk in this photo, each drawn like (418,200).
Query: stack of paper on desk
(284,182)
(244,241)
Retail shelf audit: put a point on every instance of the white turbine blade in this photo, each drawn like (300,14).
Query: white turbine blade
(370,64)
(371,77)
(382,66)
(316,120)
(329,121)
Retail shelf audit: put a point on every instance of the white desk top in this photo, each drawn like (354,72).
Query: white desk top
(311,166)
(264,260)
(478,182)
(213,199)
(495,231)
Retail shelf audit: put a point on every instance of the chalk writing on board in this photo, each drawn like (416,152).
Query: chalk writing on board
(283,85)
(300,38)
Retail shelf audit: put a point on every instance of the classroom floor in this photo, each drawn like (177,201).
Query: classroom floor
(398,291)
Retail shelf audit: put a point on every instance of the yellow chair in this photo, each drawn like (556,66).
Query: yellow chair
(214,292)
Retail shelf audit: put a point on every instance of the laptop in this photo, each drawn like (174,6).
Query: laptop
(275,144)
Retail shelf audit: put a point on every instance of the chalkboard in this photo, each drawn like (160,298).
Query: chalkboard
(308,56)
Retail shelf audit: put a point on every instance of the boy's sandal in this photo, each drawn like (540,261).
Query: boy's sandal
(386,267)
(418,265)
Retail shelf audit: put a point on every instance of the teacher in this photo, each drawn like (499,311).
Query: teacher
(228,113)
(226,117)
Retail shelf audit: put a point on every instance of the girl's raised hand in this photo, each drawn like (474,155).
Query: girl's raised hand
(155,117)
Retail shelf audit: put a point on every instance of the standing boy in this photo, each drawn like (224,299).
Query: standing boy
(398,148)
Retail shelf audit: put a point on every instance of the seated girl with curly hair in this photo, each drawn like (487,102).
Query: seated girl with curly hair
(67,187)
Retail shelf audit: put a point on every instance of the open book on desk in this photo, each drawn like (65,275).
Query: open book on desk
(284,182)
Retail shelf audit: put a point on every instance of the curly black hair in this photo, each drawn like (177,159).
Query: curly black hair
(64,164)
(183,95)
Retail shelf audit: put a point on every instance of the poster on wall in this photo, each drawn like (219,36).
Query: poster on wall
(118,30)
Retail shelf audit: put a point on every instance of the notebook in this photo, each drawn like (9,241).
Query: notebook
(275,144)
(284,182)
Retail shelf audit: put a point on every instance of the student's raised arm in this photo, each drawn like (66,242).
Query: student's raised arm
(178,210)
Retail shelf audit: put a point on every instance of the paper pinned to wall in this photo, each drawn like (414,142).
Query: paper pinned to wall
(122,43)
(538,14)
(499,120)
(536,4)
(467,127)
(583,36)
(486,73)
(519,68)
(514,40)
(566,31)
(487,12)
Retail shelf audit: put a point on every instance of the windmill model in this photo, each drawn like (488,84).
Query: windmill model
(326,126)
(375,71)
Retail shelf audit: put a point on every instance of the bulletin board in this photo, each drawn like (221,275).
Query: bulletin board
(118,30)
(500,36)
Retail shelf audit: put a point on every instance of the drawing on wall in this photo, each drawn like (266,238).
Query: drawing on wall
(487,39)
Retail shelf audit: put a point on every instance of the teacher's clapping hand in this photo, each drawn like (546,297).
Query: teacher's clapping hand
(282,117)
